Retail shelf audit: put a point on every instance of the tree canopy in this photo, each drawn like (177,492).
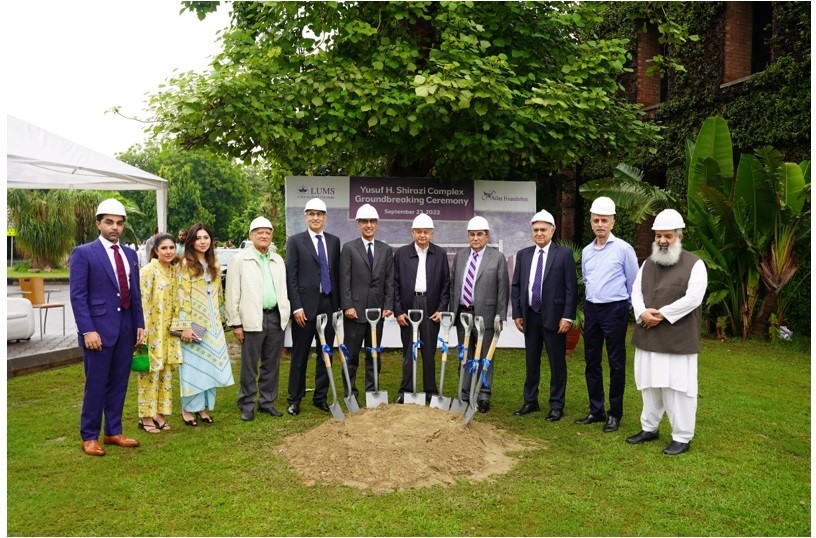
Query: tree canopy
(454,89)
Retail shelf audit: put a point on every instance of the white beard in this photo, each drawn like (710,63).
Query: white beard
(667,257)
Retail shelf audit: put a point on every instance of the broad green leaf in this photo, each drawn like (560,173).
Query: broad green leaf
(317,101)
(752,186)
(713,141)
(372,121)
(792,192)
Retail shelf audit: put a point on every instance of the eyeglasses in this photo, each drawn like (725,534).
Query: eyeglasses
(367,221)
(540,230)
(314,214)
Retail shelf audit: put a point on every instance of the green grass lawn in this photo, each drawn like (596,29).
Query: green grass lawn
(748,472)
(56,274)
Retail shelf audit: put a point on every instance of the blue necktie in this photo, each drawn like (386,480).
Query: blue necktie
(536,302)
(370,257)
(325,281)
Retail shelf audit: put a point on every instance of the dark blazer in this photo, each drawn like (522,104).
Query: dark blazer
(362,286)
(437,271)
(491,287)
(95,292)
(559,294)
(303,272)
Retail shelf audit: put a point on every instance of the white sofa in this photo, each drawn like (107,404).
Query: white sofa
(20,319)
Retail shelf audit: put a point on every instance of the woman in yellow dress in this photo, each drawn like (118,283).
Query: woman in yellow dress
(158,282)
(206,364)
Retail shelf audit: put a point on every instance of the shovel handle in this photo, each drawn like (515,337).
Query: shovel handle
(446,322)
(337,323)
(321,321)
(413,313)
(478,322)
(370,313)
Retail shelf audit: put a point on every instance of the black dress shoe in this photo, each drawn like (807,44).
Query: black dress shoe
(591,419)
(293,409)
(323,406)
(483,406)
(676,448)
(401,399)
(246,416)
(611,425)
(270,410)
(554,415)
(527,408)
(642,437)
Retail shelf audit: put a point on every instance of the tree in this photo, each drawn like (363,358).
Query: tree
(45,224)
(452,89)
(202,187)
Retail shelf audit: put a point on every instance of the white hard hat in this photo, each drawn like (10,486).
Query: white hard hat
(668,219)
(478,223)
(111,206)
(315,204)
(367,211)
(422,221)
(260,222)
(603,206)
(543,216)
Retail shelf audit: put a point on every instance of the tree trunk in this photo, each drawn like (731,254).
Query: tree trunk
(762,320)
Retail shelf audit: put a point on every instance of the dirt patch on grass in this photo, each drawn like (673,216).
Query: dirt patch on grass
(401,446)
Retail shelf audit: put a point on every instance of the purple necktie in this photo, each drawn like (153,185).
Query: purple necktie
(470,277)
(325,280)
(536,302)
(121,276)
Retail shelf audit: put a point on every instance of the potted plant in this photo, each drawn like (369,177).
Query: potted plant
(574,334)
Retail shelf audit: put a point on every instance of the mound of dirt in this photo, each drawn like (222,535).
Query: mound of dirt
(400,446)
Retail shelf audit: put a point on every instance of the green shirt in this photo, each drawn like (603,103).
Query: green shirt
(270,298)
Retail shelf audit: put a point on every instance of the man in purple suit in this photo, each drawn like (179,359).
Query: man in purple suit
(107,307)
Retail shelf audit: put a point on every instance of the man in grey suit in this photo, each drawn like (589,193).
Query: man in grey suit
(545,295)
(421,282)
(366,281)
(312,282)
(480,287)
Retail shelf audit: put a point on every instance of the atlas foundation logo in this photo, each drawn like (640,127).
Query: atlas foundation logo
(491,195)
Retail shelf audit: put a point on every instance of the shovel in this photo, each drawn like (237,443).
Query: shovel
(378,397)
(497,327)
(478,321)
(415,397)
(321,321)
(458,405)
(446,322)
(337,322)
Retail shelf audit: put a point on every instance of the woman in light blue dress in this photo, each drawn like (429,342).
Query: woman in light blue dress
(206,364)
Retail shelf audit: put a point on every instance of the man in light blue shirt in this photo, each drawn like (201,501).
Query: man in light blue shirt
(609,267)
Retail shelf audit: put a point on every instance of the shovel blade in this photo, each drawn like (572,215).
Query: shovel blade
(458,406)
(336,412)
(416,398)
(440,402)
(352,405)
(376,399)
(469,415)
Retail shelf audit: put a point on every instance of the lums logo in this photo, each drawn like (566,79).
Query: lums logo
(315,190)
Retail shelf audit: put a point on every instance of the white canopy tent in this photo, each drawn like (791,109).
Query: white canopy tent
(39,159)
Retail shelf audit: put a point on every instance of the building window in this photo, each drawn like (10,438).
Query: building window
(748,27)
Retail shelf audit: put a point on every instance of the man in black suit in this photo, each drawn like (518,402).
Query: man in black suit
(421,281)
(544,295)
(312,281)
(366,281)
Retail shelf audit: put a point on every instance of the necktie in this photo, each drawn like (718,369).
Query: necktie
(121,276)
(470,277)
(536,302)
(370,257)
(325,281)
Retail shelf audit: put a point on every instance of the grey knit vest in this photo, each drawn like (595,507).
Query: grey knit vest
(662,285)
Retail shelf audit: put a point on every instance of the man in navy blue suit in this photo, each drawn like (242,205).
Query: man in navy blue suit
(544,295)
(107,308)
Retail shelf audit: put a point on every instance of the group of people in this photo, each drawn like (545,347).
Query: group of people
(174,305)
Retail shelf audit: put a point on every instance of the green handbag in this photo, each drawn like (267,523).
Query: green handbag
(141,360)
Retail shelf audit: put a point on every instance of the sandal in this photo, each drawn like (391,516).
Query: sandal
(148,428)
(162,426)
(208,419)
(191,422)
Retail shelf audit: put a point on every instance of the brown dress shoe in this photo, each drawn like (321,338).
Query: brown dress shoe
(93,448)
(120,440)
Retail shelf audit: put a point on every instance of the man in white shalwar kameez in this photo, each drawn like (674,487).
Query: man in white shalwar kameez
(666,298)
